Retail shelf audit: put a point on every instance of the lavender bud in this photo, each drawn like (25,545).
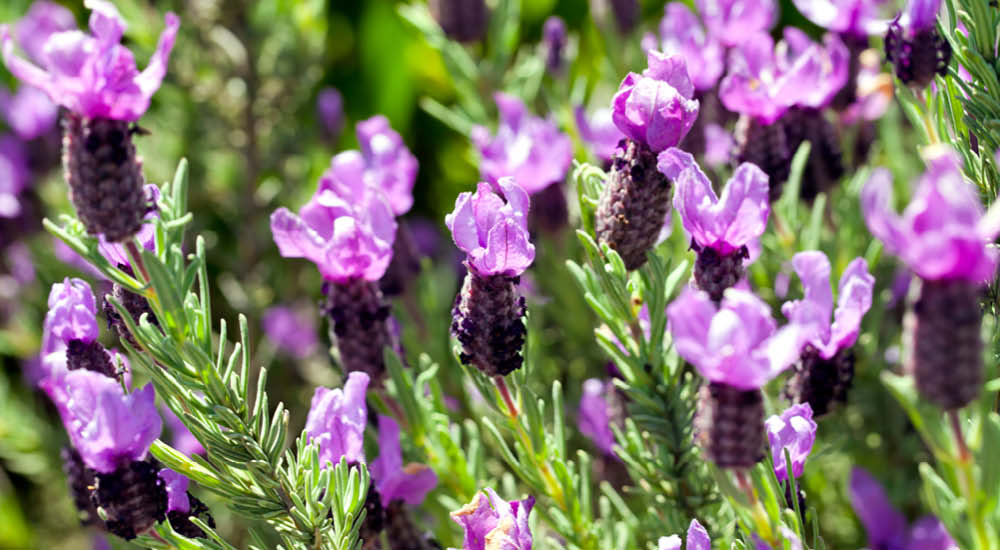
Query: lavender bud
(554,35)
(358,316)
(917,57)
(767,147)
(821,382)
(461,20)
(729,425)
(488,323)
(133,497)
(104,175)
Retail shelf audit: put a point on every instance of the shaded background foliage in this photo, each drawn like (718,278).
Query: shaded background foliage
(239,104)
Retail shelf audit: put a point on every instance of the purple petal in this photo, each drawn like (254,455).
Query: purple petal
(393,481)
(593,419)
(697,537)
(598,132)
(718,144)
(292,331)
(854,299)
(42,21)
(814,310)
(928,533)
(886,527)
(656,108)
(876,205)
(177,485)
(72,312)
(390,165)
(732,21)
(920,14)
(336,420)
(795,431)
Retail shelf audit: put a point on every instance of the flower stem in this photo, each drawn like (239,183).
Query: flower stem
(133,250)
(501,384)
(965,464)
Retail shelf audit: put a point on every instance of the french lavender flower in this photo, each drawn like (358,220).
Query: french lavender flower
(598,132)
(42,21)
(795,431)
(597,407)
(886,527)
(29,112)
(737,347)
(944,238)
(336,421)
(461,20)
(182,505)
(112,433)
(655,111)
(290,330)
(555,39)
(96,79)
(347,229)
(14,175)
(825,371)
(733,21)
(330,108)
(71,328)
(490,522)
(490,226)
(914,46)
(720,228)
(697,539)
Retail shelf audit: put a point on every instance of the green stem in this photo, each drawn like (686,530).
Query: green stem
(965,463)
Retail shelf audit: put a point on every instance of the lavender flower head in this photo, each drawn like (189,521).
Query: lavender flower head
(14,175)
(29,112)
(390,166)
(292,331)
(682,33)
(656,108)
(736,343)
(394,481)
(115,252)
(886,526)
(697,539)
(336,421)
(530,149)
(814,310)
(594,418)
(347,228)
(811,73)
(850,17)
(913,45)
(108,428)
(598,131)
(42,21)
(727,224)
(732,21)
(93,75)
(330,108)
(491,523)
(752,85)
(943,233)
(795,431)
(72,312)
(491,227)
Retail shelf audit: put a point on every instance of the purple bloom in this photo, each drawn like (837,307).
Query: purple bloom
(697,539)
(42,21)
(752,85)
(530,149)
(813,312)
(920,15)
(93,75)
(115,252)
(107,427)
(347,228)
(681,33)
(942,234)
(491,523)
(594,420)
(293,332)
(29,112)
(14,175)
(598,132)
(183,440)
(854,17)
(72,312)
(718,145)
(793,430)
(811,73)
(176,485)
(656,108)
(725,224)
(394,481)
(554,35)
(492,228)
(733,21)
(886,526)
(389,165)
(736,343)
(330,107)
(336,420)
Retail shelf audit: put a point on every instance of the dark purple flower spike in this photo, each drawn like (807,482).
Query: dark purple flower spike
(914,47)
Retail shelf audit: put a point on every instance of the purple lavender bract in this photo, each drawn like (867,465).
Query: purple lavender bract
(42,21)
(389,165)
(490,522)
(336,421)
(394,481)
(795,431)
(682,33)
(697,539)
(598,131)
(29,113)
(732,21)
(491,226)
(594,420)
(886,526)
(291,331)
(656,108)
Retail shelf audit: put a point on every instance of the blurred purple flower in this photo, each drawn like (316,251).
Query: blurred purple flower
(330,108)
(29,112)
(697,539)
(492,228)
(530,149)
(725,224)
(656,108)
(718,145)
(107,427)
(598,132)
(115,252)
(183,440)
(794,430)
(291,331)
(875,90)
(176,485)
(554,36)
(886,526)
(491,523)
(736,343)
(42,21)
(943,233)
(752,85)
(919,15)
(394,481)
(852,17)
(682,33)
(336,421)
(72,312)
(812,313)
(811,73)
(389,165)
(732,21)
(93,75)
(347,228)
(14,175)
(594,420)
